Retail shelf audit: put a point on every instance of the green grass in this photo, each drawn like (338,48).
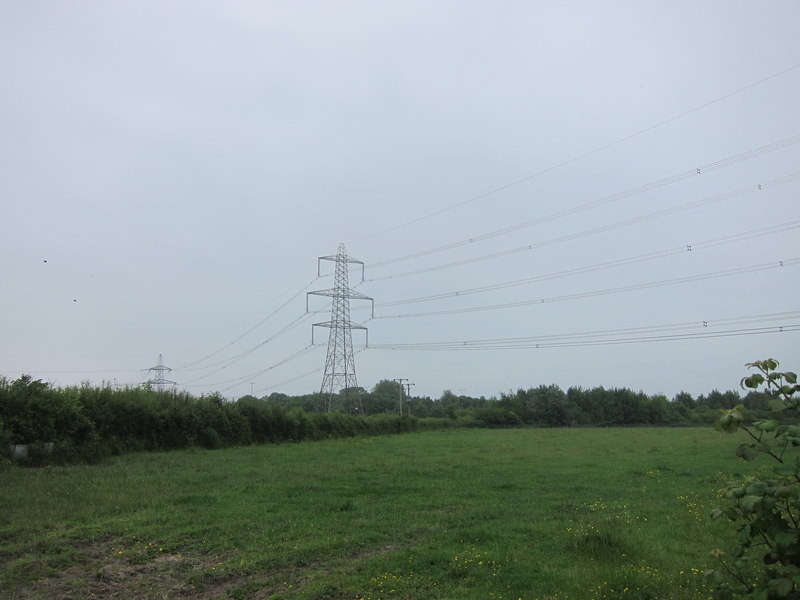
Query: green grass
(465,514)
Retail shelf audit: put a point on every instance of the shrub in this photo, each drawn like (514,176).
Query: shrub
(764,563)
(494,416)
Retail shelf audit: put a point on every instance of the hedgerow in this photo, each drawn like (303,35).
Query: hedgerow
(87,423)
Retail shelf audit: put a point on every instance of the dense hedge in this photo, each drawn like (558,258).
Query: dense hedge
(88,423)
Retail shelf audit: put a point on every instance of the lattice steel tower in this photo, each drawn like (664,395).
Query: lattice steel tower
(340,368)
(157,380)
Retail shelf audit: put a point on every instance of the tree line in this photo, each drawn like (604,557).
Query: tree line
(545,405)
(87,423)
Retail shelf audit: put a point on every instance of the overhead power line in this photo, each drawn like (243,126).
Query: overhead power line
(71,371)
(230,361)
(604,228)
(674,251)
(630,340)
(241,379)
(653,185)
(778,264)
(664,332)
(251,329)
(581,156)
(298,377)
(292,380)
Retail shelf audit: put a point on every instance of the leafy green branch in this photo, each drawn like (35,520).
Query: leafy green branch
(765,561)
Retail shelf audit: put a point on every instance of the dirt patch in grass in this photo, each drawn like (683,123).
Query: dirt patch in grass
(107,570)
(99,570)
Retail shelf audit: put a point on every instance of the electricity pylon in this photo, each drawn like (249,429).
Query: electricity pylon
(340,368)
(157,380)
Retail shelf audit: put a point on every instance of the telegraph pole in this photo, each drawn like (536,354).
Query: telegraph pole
(400,389)
(340,369)
(408,395)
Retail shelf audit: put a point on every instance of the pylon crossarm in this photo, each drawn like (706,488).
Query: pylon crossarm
(357,295)
(326,324)
(335,293)
(343,325)
(331,293)
(319,263)
(345,259)
(322,293)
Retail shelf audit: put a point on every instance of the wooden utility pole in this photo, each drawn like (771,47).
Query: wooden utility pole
(408,395)
(400,388)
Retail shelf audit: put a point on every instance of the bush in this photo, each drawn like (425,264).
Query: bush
(764,563)
(494,416)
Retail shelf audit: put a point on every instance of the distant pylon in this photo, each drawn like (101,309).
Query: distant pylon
(157,379)
(340,368)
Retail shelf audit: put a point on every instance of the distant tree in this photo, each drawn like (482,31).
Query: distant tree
(722,400)
(580,401)
(427,407)
(682,407)
(757,400)
(351,401)
(384,398)
(496,416)
(598,406)
(549,406)
(518,404)
(544,405)
(686,399)
(659,409)
(448,397)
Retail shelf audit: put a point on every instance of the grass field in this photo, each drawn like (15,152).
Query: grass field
(463,514)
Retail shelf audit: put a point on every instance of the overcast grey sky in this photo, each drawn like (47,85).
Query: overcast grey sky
(172,170)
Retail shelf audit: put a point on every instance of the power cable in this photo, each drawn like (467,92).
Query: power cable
(608,291)
(635,340)
(72,371)
(228,362)
(251,329)
(580,156)
(293,379)
(527,341)
(733,238)
(682,249)
(304,375)
(238,380)
(604,228)
(695,172)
